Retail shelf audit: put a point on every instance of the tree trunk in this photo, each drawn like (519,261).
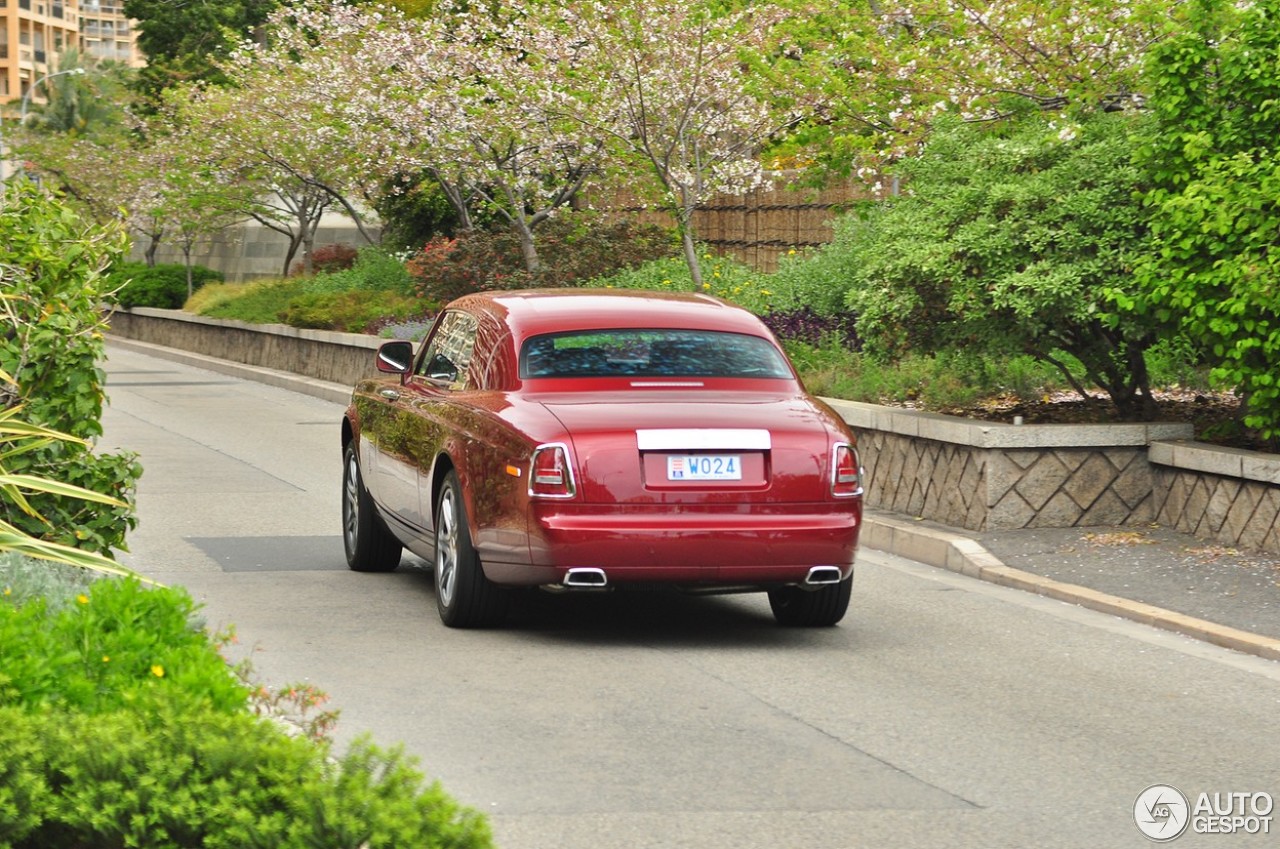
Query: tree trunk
(528,249)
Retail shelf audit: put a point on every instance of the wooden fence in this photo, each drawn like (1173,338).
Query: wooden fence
(759,227)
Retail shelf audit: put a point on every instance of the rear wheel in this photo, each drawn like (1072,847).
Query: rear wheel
(464,596)
(369,545)
(818,608)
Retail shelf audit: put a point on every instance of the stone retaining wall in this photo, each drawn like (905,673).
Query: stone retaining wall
(342,358)
(990,476)
(975,475)
(1222,494)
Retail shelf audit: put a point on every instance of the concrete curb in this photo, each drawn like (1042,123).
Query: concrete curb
(934,546)
(920,541)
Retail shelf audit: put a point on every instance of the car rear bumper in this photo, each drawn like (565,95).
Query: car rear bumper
(704,547)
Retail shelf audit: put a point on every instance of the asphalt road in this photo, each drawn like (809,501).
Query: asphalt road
(944,712)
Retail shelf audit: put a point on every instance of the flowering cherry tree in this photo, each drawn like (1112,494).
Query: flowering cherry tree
(887,69)
(665,81)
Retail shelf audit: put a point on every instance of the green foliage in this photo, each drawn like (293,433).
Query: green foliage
(121,725)
(945,381)
(181,777)
(414,217)
(351,311)
(724,278)
(121,645)
(371,270)
(572,250)
(163,286)
(23,579)
(259,302)
(1213,268)
(52,291)
(1004,245)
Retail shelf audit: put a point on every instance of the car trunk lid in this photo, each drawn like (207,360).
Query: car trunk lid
(702,448)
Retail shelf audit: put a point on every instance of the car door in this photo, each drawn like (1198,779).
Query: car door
(420,418)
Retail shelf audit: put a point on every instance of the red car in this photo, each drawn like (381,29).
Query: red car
(600,439)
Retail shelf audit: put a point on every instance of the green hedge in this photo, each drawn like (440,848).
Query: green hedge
(163,286)
(122,725)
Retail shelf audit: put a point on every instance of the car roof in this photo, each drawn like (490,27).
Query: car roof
(534,312)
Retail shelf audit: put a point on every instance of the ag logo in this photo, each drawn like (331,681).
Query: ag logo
(1161,812)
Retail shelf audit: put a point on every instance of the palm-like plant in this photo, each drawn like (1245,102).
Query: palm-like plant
(19,437)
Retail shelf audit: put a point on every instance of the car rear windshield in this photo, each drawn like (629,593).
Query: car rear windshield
(651,353)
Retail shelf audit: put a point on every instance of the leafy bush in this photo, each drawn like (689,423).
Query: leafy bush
(163,286)
(1213,152)
(23,579)
(121,725)
(257,302)
(373,270)
(571,252)
(351,312)
(52,288)
(181,777)
(1007,245)
(724,278)
(328,258)
(121,645)
(944,381)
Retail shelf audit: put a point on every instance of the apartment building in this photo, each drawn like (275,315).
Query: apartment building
(34,33)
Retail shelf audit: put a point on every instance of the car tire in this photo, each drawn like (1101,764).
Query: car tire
(370,547)
(465,598)
(820,608)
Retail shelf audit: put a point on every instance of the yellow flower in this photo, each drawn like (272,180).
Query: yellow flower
(157,671)
(706,285)
(666,282)
(765,292)
(8,591)
(82,598)
(715,274)
(791,252)
(106,658)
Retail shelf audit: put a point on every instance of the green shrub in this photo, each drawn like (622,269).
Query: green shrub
(373,270)
(351,312)
(178,777)
(257,302)
(722,277)
(944,381)
(162,286)
(52,287)
(119,645)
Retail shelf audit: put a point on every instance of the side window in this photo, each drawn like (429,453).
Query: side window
(448,356)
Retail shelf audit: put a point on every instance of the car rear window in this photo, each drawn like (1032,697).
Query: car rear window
(651,353)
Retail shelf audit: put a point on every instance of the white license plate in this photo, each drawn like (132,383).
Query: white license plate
(704,467)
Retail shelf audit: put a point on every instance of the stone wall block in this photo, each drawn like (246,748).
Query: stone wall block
(1090,479)
(1042,480)
(1223,495)
(1240,513)
(1060,511)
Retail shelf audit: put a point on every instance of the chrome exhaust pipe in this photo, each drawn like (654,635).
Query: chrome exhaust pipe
(822,575)
(585,578)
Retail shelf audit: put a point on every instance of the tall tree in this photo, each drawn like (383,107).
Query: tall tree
(1214,150)
(889,68)
(665,82)
(185,42)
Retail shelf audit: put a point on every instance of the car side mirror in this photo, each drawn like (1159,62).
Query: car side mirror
(395,357)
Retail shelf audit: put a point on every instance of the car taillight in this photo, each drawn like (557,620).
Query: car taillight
(550,474)
(846,474)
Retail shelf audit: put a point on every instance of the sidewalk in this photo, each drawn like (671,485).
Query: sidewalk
(1146,573)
